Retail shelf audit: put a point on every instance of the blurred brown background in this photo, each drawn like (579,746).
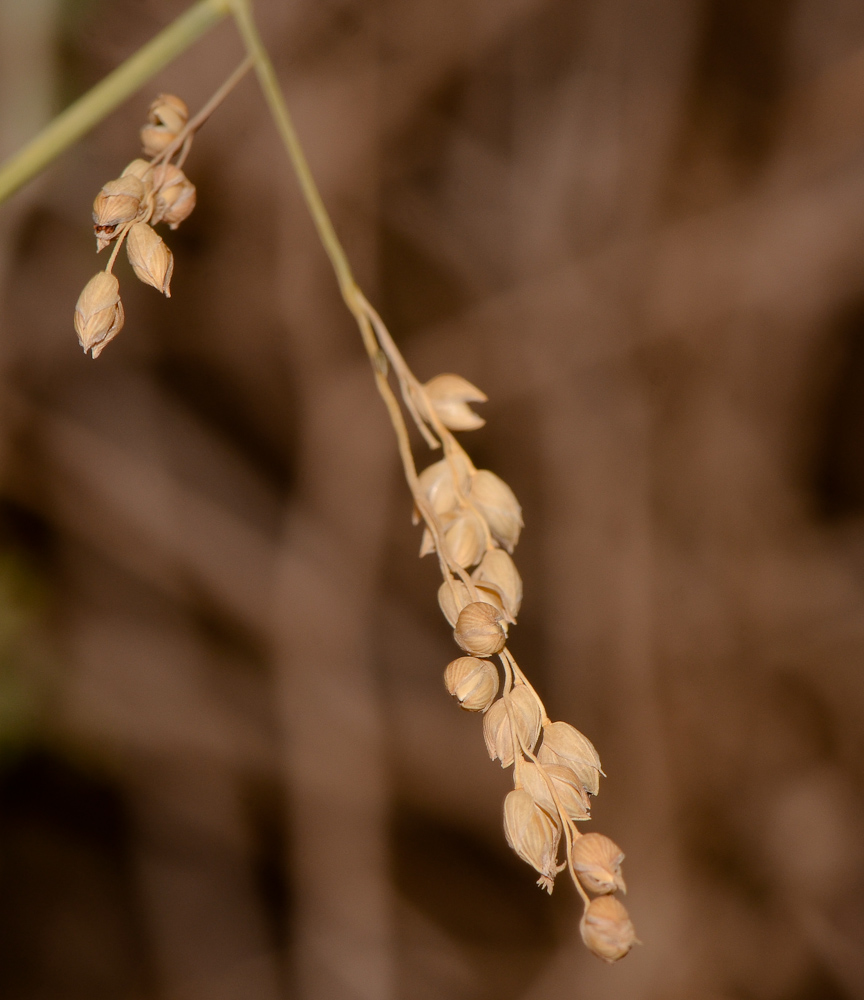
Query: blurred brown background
(228,766)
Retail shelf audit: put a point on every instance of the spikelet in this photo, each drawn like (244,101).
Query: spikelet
(151,260)
(606,929)
(472,682)
(478,629)
(449,396)
(533,834)
(98,313)
(496,502)
(597,861)
(498,570)
(498,732)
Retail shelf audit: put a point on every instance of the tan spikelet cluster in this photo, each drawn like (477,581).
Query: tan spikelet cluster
(472,522)
(146,193)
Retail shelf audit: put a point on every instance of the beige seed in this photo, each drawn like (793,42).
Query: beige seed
(175,195)
(537,787)
(496,502)
(473,682)
(497,731)
(570,789)
(150,258)
(449,396)
(498,569)
(478,630)
(452,599)
(98,313)
(597,861)
(533,835)
(607,929)
(117,204)
(569,744)
(465,540)
(166,118)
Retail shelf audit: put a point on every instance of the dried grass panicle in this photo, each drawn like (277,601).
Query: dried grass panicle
(147,192)
(472,522)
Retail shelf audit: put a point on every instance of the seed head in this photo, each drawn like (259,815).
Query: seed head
(473,682)
(150,258)
(175,195)
(449,396)
(496,502)
(98,313)
(533,835)
(117,204)
(607,929)
(165,120)
(597,862)
(478,630)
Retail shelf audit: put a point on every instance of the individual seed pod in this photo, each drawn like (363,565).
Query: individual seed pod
(465,540)
(498,733)
(496,502)
(151,260)
(449,396)
(117,204)
(570,789)
(588,776)
(143,170)
(533,835)
(166,118)
(175,195)
(607,929)
(568,743)
(597,861)
(438,482)
(452,598)
(472,682)
(478,630)
(488,593)
(497,729)
(537,787)
(526,715)
(98,313)
(497,568)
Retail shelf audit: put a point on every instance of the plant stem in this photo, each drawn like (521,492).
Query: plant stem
(99,102)
(273,95)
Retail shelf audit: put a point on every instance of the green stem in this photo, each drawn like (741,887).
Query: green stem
(99,102)
(273,95)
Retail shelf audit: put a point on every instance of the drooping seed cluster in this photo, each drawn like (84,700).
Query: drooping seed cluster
(148,192)
(473,521)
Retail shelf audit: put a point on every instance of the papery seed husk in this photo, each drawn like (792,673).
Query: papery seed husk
(436,483)
(449,396)
(143,170)
(497,503)
(537,787)
(567,742)
(478,630)
(427,543)
(606,929)
(151,260)
(588,775)
(465,540)
(498,734)
(597,861)
(155,139)
(488,593)
(532,834)
(496,567)
(451,604)
(570,789)
(526,715)
(168,110)
(473,682)
(175,195)
(117,204)
(98,313)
